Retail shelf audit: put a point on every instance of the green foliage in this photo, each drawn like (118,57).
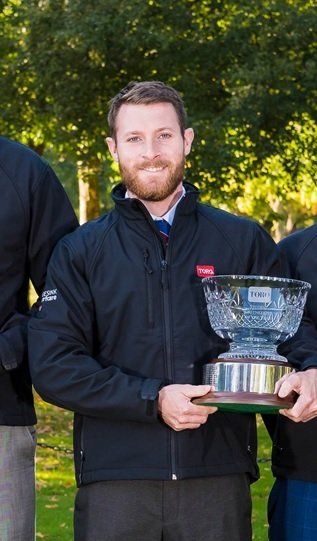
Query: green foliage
(280,192)
(55,484)
(247,73)
(261,489)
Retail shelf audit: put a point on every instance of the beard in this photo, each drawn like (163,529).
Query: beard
(154,187)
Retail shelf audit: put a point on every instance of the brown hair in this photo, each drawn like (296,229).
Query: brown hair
(146,92)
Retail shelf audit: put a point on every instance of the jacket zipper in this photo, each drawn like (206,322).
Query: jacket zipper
(82,454)
(165,287)
(149,292)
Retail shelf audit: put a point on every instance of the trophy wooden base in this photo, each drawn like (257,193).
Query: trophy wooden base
(245,385)
(245,402)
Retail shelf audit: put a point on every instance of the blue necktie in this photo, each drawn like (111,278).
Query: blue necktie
(164,228)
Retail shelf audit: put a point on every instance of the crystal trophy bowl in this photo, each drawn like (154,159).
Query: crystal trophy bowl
(255,314)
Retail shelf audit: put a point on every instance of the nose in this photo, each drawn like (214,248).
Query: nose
(150,150)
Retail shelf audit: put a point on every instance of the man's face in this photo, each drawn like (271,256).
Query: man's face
(150,149)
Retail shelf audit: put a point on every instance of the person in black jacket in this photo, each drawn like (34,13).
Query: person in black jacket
(122,334)
(292,509)
(35,213)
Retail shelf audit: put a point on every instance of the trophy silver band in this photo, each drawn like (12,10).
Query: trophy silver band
(255,314)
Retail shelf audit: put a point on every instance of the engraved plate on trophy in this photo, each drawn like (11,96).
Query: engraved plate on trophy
(255,314)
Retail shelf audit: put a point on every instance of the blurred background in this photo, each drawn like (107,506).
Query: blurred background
(247,72)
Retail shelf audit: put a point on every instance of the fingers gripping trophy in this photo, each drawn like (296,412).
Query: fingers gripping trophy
(255,314)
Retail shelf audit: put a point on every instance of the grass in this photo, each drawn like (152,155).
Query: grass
(261,489)
(54,473)
(56,486)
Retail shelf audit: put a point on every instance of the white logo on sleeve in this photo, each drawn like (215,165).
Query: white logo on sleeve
(49,295)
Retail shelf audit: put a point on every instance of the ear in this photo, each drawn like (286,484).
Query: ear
(112,148)
(188,139)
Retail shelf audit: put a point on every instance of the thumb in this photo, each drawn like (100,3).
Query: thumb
(288,385)
(197,390)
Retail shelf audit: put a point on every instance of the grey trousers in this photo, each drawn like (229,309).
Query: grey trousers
(17,483)
(208,509)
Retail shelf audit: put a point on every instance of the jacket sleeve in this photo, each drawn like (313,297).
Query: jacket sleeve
(52,217)
(64,364)
(272,260)
(301,350)
(49,217)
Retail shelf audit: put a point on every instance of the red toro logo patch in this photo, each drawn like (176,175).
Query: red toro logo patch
(205,270)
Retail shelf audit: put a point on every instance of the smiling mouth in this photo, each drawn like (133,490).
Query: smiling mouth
(153,169)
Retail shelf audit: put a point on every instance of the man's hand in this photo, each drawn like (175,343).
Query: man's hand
(177,410)
(305,385)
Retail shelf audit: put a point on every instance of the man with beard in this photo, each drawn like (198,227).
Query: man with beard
(122,335)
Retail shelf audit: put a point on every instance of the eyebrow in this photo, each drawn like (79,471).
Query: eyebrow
(137,132)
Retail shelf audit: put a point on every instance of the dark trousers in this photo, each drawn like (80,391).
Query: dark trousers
(292,511)
(208,509)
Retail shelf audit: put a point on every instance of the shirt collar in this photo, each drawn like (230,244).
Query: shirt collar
(169,215)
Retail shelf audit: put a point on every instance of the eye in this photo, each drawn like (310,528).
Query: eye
(134,139)
(165,135)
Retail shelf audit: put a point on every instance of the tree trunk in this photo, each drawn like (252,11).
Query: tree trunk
(281,228)
(88,179)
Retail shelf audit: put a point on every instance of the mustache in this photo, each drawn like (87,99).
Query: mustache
(154,163)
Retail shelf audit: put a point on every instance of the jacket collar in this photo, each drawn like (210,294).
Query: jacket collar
(134,208)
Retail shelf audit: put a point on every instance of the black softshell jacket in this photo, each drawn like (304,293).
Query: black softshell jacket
(119,318)
(34,213)
(294,450)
